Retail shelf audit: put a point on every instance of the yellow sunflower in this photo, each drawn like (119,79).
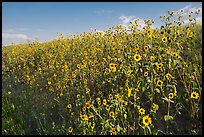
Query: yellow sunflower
(70,129)
(84,117)
(189,15)
(168,75)
(104,101)
(147,120)
(129,92)
(194,95)
(164,39)
(146,48)
(160,65)
(125,103)
(159,83)
(69,106)
(152,58)
(171,95)
(155,107)
(112,114)
(110,96)
(137,57)
(146,74)
(107,107)
(142,111)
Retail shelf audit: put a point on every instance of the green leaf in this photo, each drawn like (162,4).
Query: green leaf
(139,84)
(157,90)
(148,80)
(143,89)
(168,118)
(118,128)
(125,116)
(194,85)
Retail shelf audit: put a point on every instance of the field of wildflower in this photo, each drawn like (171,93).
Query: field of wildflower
(137,82)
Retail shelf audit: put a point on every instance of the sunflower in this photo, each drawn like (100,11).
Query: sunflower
(114,69)
(78,96)
(109,80)
(146,48)
(189,15)
(152,58)
(125,103)
(171,95)
(168,75)
(174,54)
(84,109)
(160,65)
(146,74)
(98,100)
(137,57)
(112,114)
(129,72)
(129,92)
(49,82)
(87,90)
(147,120)
(159,83)
(110,96)
(88,105)
(107,107)
(142,111)
(112,65)
(182,10)
(119,97)
(164,39)
(192,78)
(70,129)
(104,101)
(155,107)
(69,106)
(86,117)
(194,95)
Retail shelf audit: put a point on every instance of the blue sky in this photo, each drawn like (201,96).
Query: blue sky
(42,20)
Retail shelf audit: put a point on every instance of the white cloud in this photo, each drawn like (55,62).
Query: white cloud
(127,19)
(199,20)
(186,7)
(14,36)
(17,38)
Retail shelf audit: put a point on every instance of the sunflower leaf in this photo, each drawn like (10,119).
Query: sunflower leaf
(157,90)
(168,118)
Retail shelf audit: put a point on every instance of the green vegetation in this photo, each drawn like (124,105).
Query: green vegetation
(144,82)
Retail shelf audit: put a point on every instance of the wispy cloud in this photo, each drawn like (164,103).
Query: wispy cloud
(103,11)
(14,36)
(16,30)
(185,8)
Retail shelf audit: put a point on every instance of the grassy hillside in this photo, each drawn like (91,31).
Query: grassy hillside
(144,82)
